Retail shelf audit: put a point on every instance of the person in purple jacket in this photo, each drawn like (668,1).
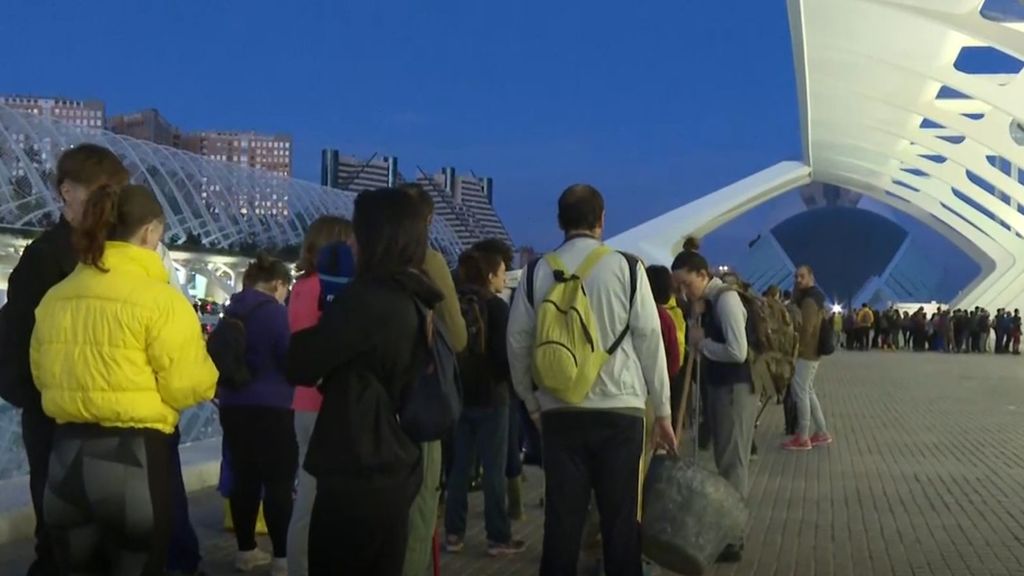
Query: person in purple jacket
(257,418)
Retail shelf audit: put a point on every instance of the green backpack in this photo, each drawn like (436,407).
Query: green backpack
(567,354)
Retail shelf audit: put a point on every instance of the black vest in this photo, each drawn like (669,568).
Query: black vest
(722,373)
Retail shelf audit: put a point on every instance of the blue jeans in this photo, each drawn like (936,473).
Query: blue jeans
(483,431)
(514,466)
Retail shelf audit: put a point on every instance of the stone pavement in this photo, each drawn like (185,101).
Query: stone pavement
(926,478)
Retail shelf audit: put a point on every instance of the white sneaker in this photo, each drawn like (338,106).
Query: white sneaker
(279,567)
(246,561)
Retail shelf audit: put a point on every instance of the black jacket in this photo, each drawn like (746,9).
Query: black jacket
(486,377)
(45,262)
(367,351)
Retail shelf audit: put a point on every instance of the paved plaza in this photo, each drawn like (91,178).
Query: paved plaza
(926,478)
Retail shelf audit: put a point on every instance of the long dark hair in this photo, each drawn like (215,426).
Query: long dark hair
(113,214)
(391,233)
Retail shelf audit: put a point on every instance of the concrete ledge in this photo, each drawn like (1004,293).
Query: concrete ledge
(200,467)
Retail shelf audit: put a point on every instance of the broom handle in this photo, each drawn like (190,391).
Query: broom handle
(688,381)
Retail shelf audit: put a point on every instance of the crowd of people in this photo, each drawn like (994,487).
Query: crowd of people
(323,384)
(957,331)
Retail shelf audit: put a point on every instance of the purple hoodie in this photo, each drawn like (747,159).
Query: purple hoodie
(267,335)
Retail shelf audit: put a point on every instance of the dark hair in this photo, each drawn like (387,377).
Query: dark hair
(661,284)
(772,292)
(391,233)
(92,166)
(580,207)
(323,231)
(691,244)
(495,246)
(113,214)
(810,271)
(690,261)
(476,267)
(786,294)
(265,269)
(422,197)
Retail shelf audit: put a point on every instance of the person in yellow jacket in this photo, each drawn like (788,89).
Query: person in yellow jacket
(117,353)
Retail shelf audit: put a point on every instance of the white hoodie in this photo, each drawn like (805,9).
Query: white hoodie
(638,369)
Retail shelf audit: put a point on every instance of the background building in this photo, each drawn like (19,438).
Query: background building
(147,125)
(350,173)
(272,153)
(88,113)
(857,255)
(463,203)
(466,203)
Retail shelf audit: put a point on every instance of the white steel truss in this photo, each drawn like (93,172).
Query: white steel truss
(915,103)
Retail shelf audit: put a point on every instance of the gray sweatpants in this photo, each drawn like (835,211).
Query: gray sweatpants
(298,528)
(731,411)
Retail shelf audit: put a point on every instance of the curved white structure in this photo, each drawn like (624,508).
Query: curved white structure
(916,103)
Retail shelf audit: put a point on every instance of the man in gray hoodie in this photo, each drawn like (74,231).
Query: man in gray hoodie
(721,339)
(598,444)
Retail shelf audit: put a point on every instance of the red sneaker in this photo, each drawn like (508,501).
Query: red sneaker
(821,439)
(797,443)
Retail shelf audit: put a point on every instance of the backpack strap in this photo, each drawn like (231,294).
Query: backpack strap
(591,261)
(633,262)
(559,268)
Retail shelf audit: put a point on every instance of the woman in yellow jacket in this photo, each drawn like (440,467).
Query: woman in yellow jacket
(117,354)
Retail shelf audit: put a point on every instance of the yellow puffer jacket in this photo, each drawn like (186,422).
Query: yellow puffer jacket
(121,348)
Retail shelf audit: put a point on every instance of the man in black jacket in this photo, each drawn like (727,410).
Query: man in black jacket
(44,263)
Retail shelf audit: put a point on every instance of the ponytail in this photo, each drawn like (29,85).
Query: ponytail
(113,213)
(98,217)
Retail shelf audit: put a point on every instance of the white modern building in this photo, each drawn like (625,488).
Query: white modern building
(918,104)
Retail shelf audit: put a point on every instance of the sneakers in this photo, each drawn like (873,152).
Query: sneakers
(454,544)
(821,439)
(251,559)
(797,444)
(279,567)
(509,548)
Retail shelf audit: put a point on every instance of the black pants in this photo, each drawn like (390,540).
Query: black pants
(184,545)
(108,501)
(264,461)
(358,530)
(592,451)
(37,430)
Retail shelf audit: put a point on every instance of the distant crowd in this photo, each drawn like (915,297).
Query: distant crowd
(952,331)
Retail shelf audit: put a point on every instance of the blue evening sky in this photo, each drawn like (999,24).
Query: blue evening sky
(655,103)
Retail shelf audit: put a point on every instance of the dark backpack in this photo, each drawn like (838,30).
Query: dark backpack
(474,362)
(826,340)
(226,346)
(434,403)
(771,341)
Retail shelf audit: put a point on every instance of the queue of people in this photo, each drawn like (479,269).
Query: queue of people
(957,331)
(317,382)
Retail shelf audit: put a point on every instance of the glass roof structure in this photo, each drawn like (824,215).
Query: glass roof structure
(216,204)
